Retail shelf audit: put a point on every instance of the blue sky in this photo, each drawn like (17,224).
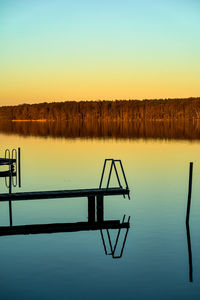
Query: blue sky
(64,50)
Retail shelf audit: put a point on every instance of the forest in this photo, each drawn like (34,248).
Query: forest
(118,110)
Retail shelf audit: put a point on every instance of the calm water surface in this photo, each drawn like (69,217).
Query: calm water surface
(155,261)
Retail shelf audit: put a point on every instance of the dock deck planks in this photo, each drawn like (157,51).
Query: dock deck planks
(63,194)
(7,161)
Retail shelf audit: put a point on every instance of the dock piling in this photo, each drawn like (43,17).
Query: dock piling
(19,167)
(99,208)
(91,209)
(189,192)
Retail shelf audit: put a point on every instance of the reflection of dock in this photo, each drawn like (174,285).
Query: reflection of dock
(61,227)
(95,222)
(188,224)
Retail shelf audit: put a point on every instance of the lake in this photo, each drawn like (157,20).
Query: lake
(73,265)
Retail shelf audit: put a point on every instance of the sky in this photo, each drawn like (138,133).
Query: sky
(59,50)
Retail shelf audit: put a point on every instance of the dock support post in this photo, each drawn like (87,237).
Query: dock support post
(91,209)
(189,193)
(100,208)
(19,166)
(10,178)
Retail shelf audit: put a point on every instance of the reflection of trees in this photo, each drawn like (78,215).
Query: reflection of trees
(106,129)
(176,109)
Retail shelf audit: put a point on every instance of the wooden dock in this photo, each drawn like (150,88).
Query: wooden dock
(95,203)
(95,210)
(7,161)
(96,192)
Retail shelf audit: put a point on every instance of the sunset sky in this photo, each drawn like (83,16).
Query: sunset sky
(58,50)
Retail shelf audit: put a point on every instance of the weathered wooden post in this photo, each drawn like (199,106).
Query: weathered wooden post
(100,208)
(10,191)
(189,192)
(19,166)
(91,209)
(10,177)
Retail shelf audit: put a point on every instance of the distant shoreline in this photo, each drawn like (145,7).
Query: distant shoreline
(119,110)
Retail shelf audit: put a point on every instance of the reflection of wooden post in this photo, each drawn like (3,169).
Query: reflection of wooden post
(99,208)
(91,209)
(10,212)
(189,192)
(189,252)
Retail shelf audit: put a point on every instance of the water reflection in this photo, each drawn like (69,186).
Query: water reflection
(95,222)
(112,246)
(188,222)
(106,129)
(189,252)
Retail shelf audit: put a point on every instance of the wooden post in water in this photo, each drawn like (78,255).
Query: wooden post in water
(10,191)
(91,209)
(19,166)
(100,208)
(10,177)
(189,192)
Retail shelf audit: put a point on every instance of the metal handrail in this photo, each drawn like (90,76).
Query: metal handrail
(7,151)
(119,160)
(113,164)
(14,156)
(14,163)
(104,166)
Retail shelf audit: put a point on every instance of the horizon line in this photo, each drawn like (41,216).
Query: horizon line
(103,100)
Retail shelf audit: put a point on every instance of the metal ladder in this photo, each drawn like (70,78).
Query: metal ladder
(13,160)
(12,176)
(113,165)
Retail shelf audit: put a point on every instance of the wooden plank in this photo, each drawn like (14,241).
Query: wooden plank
(7,161)
(61,227)
(63,194)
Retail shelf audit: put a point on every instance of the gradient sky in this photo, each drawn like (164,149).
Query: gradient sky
(58,50)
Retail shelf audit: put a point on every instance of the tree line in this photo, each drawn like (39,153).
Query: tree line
(128,110)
